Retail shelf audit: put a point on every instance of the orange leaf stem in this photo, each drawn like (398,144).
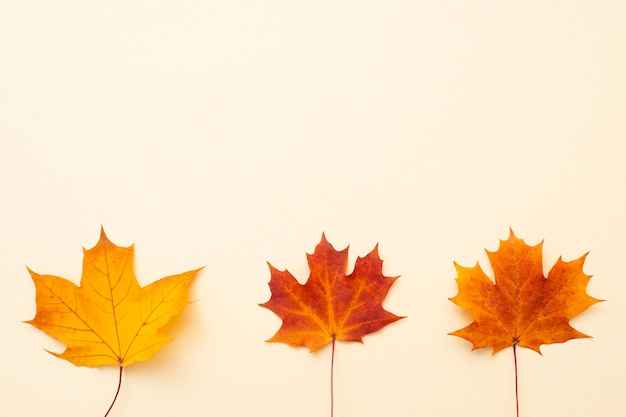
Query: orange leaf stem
(332,367)
(516,394)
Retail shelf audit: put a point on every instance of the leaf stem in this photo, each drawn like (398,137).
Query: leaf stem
(119,385)
(516,393)
(332,367)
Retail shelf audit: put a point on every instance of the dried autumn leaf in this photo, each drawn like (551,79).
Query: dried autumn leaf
(330,305)
(109,319)
(523,307)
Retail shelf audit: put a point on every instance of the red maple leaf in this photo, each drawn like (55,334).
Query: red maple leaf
(330,305)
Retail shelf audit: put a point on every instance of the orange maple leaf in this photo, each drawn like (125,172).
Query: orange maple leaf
(331,305)
(109,319)
(523,307)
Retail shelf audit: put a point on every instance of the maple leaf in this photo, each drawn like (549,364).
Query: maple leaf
(109,319)
(330,305)
(523,307)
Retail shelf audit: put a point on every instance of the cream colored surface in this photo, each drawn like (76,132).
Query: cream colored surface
(232,133)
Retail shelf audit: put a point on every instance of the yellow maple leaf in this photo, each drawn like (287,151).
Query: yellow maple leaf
(109,319)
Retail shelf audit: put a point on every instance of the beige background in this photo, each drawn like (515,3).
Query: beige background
(233,133)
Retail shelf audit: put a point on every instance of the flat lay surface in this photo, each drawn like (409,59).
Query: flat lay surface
(227,135)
